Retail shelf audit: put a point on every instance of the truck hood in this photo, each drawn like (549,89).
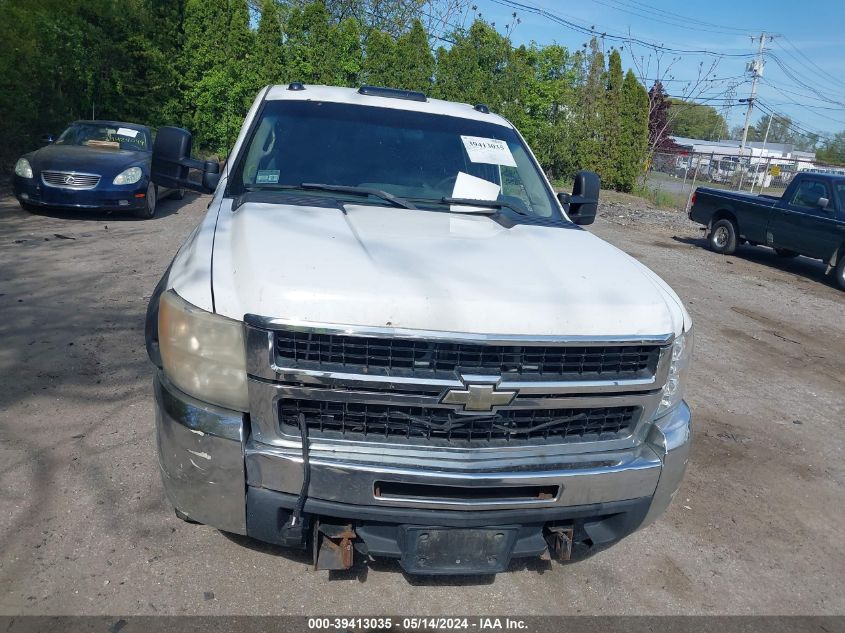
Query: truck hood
(390,267)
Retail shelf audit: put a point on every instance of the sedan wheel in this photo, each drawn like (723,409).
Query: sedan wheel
(840,273)
(149,209)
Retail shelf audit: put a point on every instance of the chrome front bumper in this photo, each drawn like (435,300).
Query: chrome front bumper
(209,462)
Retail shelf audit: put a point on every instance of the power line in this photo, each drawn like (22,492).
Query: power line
(626,39)
(802,95)
(691,80)
(658,11)
(654,17)
(821,71)
(793,125)
(792,75)
(662,17)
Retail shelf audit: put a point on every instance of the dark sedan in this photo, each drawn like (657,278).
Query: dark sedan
(101,165)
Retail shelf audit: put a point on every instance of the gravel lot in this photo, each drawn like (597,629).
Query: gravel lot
(85,529)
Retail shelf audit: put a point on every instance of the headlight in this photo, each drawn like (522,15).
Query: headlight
(202,353)
(128,176)
(23,168)
(673,390)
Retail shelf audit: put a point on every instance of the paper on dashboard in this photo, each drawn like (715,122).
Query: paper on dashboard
(473,188)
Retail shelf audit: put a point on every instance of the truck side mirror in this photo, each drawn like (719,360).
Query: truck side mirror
(823,203)
(47,139)
(211,175)
(172,162)
(582,205)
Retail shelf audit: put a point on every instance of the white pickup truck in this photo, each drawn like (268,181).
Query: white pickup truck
(388,337)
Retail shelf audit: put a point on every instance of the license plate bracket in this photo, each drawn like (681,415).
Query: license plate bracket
(439,550)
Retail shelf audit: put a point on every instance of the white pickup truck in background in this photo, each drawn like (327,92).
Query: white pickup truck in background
(389,337)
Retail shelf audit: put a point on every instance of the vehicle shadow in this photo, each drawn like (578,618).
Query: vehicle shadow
(811,269)
(165,207)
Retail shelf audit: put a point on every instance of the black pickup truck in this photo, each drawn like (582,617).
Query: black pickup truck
(809,219)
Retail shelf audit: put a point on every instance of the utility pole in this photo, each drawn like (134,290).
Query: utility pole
(756,69)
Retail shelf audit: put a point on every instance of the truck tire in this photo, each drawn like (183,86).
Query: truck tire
(722,238)
(839,272)
(785,253)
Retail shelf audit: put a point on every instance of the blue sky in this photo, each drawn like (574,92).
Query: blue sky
(810,88)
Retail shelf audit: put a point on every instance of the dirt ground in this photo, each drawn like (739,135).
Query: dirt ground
(85,529)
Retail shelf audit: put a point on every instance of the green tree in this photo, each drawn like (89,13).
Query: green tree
(206,29)
(345,55)
(318,51)
(549,100)
(779,127)
(634,137)
(588,143)
(391,16)
(269,51)
(471,69)
(696,120)
(414,61)
(66,59)
(833,150)
(220,76)
(611,122)
(380,64)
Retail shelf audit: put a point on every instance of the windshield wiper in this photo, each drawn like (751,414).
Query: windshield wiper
(492,205)
(396,201)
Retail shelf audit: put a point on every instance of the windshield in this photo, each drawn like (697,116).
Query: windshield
(418,157)
(105,136)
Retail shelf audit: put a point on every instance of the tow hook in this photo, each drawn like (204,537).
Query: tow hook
(559,541)
(332,545)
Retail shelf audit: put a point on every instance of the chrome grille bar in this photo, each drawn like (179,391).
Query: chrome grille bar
(293,369)
(69,179)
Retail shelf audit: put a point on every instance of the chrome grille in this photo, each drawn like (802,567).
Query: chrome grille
(385,422)
(69,179)
(421,358)
(399,387)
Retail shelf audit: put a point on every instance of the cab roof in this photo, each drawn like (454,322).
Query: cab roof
(334,94)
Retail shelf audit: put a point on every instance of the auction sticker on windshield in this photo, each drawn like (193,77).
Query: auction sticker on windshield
(488,150)
(125,131)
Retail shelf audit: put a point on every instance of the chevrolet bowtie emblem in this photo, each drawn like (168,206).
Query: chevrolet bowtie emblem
(478,397)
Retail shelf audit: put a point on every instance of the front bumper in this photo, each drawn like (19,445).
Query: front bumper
(104,196)
(216,473)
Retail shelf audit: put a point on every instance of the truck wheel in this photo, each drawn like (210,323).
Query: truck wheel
(722,238)
(786,253)
(840,272)
(149,209)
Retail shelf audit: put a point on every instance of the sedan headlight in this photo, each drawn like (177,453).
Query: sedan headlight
(202,353)
(128,176)
(23,168)
(673,390)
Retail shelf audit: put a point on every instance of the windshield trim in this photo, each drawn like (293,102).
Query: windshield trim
(233,190)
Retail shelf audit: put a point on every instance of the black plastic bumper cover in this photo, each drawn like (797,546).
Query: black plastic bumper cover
(393,532)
